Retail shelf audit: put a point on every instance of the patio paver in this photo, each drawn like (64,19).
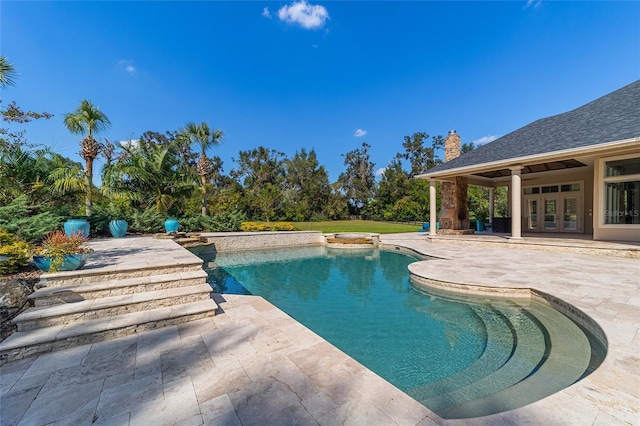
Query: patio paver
(252,364)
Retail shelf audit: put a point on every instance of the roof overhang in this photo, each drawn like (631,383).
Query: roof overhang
(534,162)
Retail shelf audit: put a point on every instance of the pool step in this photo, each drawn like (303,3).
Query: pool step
(48,296)
(109,306)
(47,339)
(568,357)
(501,342)
(529,351)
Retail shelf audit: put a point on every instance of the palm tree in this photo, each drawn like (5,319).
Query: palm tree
(147,175)
(87,119)
(202,135)
(7,73)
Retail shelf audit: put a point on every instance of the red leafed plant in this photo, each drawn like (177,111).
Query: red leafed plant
(57,244)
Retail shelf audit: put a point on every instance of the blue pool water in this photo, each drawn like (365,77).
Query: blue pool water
(437,349)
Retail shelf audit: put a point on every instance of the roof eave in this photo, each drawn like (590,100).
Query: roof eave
(511,162)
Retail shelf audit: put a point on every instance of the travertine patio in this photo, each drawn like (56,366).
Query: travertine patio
(252,364)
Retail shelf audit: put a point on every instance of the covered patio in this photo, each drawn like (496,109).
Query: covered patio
(575,173)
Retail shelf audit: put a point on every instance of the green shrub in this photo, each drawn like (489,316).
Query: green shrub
(29,223)
(146,222)
(99,222)
(226,222)
(16,251)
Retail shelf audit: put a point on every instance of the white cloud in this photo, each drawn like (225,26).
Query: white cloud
(534,3)
(266,13)
(381,171)
(127,66)
(485,139)
(359,133)
(131,143)
(309,16)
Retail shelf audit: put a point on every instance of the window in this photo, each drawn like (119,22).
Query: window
(630,166)
(622,192)
(570,187)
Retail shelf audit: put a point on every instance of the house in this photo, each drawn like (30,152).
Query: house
(576,172)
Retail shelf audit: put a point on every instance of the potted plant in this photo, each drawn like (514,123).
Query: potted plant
(117,225)
(118,228)
(171,225)
(482,215)
(77,225)
(60,252)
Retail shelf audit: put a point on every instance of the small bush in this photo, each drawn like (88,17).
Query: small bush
(99,222)
(6,238)
(226,222)
(253,227)
(284,226)
(16,251)
(261,227)
(147,222)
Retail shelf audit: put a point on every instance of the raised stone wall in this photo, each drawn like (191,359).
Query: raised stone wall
(231,241)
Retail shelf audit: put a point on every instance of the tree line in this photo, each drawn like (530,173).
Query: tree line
(170,173)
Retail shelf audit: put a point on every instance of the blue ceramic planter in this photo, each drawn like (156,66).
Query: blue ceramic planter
(71,262)
(74,226)
(427,226)
(171,225)
(118,228)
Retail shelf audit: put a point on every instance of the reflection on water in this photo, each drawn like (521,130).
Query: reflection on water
(361,301)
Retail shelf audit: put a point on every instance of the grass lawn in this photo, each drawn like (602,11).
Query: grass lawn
(331,226)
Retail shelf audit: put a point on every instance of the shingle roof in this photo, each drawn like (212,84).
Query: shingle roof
(613,117)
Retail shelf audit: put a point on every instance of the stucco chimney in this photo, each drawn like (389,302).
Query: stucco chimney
(451,146)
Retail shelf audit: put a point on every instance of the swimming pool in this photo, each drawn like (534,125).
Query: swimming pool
(461,358)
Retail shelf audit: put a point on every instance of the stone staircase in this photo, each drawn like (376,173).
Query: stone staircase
(105,301)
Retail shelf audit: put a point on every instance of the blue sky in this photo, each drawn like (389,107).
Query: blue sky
(327,75)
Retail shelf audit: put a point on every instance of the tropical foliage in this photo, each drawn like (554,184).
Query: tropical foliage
(7,73)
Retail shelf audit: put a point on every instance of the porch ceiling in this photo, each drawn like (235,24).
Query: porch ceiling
(534,168)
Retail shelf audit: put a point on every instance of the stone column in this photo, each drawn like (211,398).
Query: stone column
(516,203)
(432,207)
(454,214)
